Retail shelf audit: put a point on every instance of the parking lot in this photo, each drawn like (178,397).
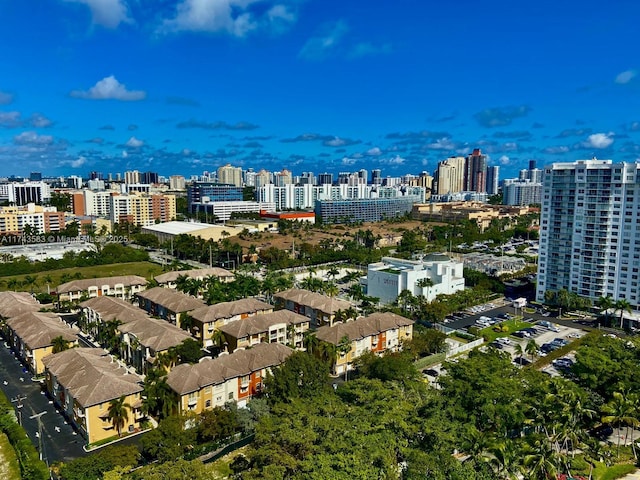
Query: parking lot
(60,442)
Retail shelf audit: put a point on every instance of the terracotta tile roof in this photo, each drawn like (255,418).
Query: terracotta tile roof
(187,378)
(199,273)
(84,284)
(16,303)
(158,335)
(112,308)
(171,299)
(223,310)
(38,329)
(363,327)
(261,323)
(92,376)
(314,300)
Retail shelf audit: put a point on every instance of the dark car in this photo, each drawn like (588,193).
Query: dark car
(549,347)
(531,330)
(519,334)
(602,432)
(431,372)
(521,361)
(497,345)
(560,341)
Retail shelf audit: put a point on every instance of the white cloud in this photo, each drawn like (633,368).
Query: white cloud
(599,140)
(38,120)
(5,98)
(32,138)
(109,88)
(335,142)
(397,160)
(504,160)
(108,13)
(133,142)
(281,13)
(318,48)
(444,143)
(625,77)
(228,16)
(348,161)
(10,119)
(79,162)
(374,152)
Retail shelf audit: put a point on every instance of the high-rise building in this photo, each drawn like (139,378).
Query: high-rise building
(521,192)
(177,182)
(283,178)
(35,176)
(26,192)
(450,175)
(493,179)
(230,175)
(589,225)
(142,209)
(325,179)
(132,176)
(476,172)
(376,176)
(149,177)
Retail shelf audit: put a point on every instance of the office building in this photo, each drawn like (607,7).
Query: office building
(213,192)
(589,226)
(26,192)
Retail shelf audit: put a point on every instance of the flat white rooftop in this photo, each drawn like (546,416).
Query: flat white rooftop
(177,228)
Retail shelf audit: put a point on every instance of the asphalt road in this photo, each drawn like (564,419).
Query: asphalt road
(60,442)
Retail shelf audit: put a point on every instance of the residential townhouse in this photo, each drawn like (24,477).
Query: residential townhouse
(120,286)
(140,337)
(169,279)
(31,335)
(83,382)
(282,326)
(236,377)
(13,304)
(170,305)
(206,320)
(378,333)
(320,309)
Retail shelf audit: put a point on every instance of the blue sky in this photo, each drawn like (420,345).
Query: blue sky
(182,87)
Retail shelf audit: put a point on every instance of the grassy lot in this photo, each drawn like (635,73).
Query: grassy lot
(9,469)
(143,269)
(602,472)
(507,328)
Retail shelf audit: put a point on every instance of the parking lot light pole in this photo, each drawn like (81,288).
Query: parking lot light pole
(19,400)
(38,417)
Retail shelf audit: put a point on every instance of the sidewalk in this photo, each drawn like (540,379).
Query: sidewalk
(632,476)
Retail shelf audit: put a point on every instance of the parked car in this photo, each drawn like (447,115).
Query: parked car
(497,345)
(602,432)
(561,341)
(521,334)
(521,361)
(431,372)
(503,340)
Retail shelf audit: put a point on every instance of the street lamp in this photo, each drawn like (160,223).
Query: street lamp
(18,400)
(38,417)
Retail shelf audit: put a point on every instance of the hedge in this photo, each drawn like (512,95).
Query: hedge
(31,467)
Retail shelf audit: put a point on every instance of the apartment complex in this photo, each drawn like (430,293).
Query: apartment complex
(169,279)
(364,210)
(124,287)
(236,377)
(142,209)
(320,309)
(378,333)
(589,226)
(170,305)
(19,194)
(14,220)
(435,274)
(84,381)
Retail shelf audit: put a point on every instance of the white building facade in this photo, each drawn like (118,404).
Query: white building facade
(589,226)
(388,278)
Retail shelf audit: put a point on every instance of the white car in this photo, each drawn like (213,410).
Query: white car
(503,340)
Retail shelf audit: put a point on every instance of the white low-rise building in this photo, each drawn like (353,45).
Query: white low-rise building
(441,275)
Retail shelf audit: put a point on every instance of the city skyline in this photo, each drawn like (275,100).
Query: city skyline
(187,86)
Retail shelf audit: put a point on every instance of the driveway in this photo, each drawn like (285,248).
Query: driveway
(60,442)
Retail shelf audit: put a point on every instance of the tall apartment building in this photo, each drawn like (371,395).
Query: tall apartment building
(325,179)
(283,178)
(13,220)
(476,172)
(589,226)
(25,192)
(132,176)
(366,210)
(493,179)
(521,192)
(230,175)
(177,182)
(450,175)
(141,209)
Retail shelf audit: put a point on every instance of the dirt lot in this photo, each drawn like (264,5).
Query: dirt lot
(390,234)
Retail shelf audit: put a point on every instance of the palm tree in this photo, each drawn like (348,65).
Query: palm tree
(624,306)
(541,460)
(531,348)
(332,273)
(343,348)
(59,344)
(518,350)
(619,411)
(605,304)
(425,283)
(118,413)
(311,342)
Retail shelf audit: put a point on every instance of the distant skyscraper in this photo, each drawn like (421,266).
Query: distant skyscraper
(363,175)
(493,174)
(450,175)
(325,179)
(476,172)
(132,176)
(149,177)
(588,230)
(95,176)
(376,176)
(343,178)
(283,178)
(35,176)
(230,175)
(532,164)
(177,182)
